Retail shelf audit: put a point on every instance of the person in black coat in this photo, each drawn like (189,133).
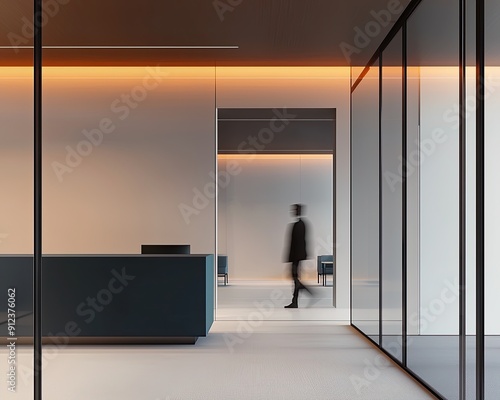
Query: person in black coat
(297,253)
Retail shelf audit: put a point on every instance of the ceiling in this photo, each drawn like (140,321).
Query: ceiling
(267,32)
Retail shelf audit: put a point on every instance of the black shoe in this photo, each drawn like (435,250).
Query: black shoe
(292,305)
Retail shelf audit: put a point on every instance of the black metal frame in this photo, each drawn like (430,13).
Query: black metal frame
(380,203)
(401,24)
(462,204)
(37,259)
(408,371)
(404,200)
(480,103)
(350,200)
(393,32)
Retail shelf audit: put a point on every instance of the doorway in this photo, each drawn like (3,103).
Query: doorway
(269,159)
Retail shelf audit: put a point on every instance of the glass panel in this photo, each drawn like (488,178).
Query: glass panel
(130,160)
(433,351)
(391,191)
(492,200)
(471,201)
(365,205)
(16,201)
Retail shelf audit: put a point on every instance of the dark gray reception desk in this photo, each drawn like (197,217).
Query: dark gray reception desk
(113,299)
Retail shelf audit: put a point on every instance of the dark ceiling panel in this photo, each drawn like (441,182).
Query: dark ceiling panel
(284,131)
(268,32)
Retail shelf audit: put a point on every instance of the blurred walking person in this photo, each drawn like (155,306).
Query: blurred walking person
(297,252)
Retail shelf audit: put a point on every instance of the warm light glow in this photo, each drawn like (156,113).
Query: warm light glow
(109,73)
(283,73)
(16,72)
(392,72)
(246,73)
(275,156)
(127,72)
(223,73)
(440,73)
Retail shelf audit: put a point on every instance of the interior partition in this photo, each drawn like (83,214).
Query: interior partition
(491,201)
(365,202)
(436,230)
(16,228)
(391,198)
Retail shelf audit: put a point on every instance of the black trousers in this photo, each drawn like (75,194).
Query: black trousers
(298,285)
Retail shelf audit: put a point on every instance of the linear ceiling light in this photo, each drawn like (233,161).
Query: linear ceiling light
(124,47)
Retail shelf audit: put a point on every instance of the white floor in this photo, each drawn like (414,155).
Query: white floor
(265,299)
(256,355)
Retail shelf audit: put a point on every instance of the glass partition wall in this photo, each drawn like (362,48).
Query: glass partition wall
(391,192)
(423,160)
(491,165)
(127,162)
(365,278)
(17,159)
(432,34)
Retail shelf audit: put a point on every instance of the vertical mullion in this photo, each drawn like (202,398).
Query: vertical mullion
(380,210)
(37,251)
(404,197)
(350,201)
(462,204)
(480,63)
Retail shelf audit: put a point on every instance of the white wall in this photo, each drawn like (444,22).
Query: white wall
(254,213)
(16,160)
(126,190)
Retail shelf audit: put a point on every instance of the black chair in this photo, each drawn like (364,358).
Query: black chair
(222,269)
(325,269)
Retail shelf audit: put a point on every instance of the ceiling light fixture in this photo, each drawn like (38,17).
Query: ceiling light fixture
(125,47)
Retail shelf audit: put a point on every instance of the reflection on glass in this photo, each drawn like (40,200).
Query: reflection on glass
(433,351)
(365,205)
(471,204)
(391,196)
(128,156)
(16,206)
(492,201)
